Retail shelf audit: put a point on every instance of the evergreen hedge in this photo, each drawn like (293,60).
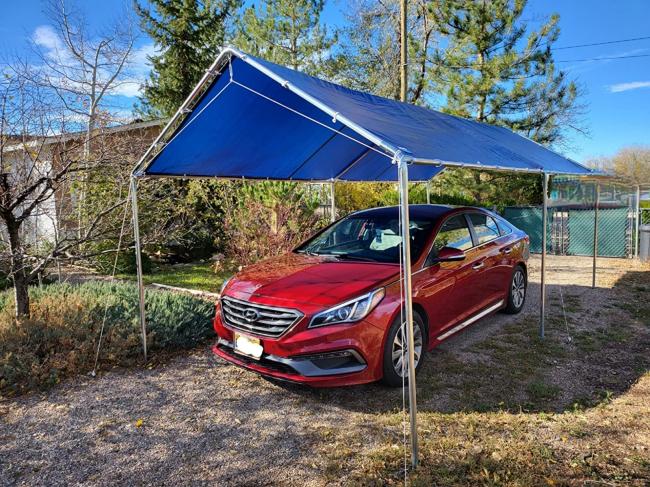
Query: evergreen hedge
(60,338)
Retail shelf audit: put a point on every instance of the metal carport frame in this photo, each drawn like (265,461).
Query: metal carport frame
(436,141)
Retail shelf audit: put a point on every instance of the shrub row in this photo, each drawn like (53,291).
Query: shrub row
(60,337)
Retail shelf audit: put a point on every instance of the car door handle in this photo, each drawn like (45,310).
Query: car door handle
(478,266)
(506,250)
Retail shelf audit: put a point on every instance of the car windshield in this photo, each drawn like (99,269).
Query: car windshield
(374,238)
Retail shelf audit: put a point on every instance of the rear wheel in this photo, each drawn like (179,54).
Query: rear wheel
(396,351)
(517,292)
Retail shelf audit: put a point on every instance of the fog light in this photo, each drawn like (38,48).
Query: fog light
(333,360)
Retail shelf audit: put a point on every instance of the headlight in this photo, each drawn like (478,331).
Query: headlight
(350,311)
(223,286)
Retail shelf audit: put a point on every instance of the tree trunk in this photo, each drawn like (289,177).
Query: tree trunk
(21,295)
(18,274)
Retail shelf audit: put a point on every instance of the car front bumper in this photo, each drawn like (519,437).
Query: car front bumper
(320,357)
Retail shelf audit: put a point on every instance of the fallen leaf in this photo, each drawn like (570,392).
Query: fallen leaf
(139,423)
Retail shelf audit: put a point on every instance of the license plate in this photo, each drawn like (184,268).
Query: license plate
(249,346)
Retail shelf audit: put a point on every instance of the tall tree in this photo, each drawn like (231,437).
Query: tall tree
(287,32)
(84,68)
(493,68)
(371,49)
(39,163)
(188,35)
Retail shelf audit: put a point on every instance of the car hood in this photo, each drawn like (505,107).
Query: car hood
(317,280)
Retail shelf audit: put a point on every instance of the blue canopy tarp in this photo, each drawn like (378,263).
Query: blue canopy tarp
(258,120)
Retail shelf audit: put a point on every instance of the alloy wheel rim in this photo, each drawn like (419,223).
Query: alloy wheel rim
(400,349)
(518,289)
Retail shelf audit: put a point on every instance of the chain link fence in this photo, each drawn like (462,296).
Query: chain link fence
(645,216)
(572,217)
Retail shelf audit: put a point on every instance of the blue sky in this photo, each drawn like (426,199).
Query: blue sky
(618,91)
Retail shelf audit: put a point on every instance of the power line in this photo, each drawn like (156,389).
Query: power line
(601,58)
(618,41)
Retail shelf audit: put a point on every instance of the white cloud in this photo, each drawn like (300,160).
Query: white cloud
(45,37)
(129,88)
(139,58)
(634,85)
(139,68)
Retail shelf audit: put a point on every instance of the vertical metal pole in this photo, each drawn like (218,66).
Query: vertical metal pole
(593,271)
(402,168)
(403,53)
(138,261)
(332,203)
(637,220)
(428,187)
(542,311)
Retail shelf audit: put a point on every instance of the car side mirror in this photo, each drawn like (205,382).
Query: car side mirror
(449,254)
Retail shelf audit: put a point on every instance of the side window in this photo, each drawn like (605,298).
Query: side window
(453,233)
(485,227)
(504,228)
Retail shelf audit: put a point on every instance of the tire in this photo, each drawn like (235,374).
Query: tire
(391,377)
(517,291)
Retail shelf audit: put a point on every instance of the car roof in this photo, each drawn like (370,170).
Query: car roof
(415,211)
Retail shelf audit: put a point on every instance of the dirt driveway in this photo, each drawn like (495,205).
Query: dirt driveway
(200,421)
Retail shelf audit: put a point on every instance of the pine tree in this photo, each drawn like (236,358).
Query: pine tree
(494,69)
(288,32)
(188,35)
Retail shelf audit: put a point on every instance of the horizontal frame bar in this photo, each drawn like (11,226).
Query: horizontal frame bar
(242,178)
(490,167)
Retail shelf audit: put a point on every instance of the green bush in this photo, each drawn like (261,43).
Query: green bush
(60,338)
(268,218)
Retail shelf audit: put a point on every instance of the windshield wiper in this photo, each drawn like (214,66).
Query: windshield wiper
(306,252)
(353,257)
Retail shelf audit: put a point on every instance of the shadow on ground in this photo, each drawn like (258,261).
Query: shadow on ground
(596,346)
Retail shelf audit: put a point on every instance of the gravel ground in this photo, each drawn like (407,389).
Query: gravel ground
(198,420)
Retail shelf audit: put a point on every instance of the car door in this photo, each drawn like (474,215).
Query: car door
(489,269)
(442,288)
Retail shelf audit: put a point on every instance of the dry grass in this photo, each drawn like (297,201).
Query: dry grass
(499,406)
(609,444)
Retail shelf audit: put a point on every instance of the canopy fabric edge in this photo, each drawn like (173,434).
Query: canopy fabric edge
(486,167)
(241,178)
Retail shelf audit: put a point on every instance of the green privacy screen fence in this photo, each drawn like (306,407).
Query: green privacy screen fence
(529,219)
(613,238)
(571,231)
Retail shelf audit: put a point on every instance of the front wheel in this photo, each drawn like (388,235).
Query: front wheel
(517,291)
(396,351)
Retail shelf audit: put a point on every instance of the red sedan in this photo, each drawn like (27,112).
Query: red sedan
(330,314)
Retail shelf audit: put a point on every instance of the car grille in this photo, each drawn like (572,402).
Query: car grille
(257,318)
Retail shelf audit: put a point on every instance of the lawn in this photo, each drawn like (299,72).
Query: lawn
(200,276)
(499,406)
